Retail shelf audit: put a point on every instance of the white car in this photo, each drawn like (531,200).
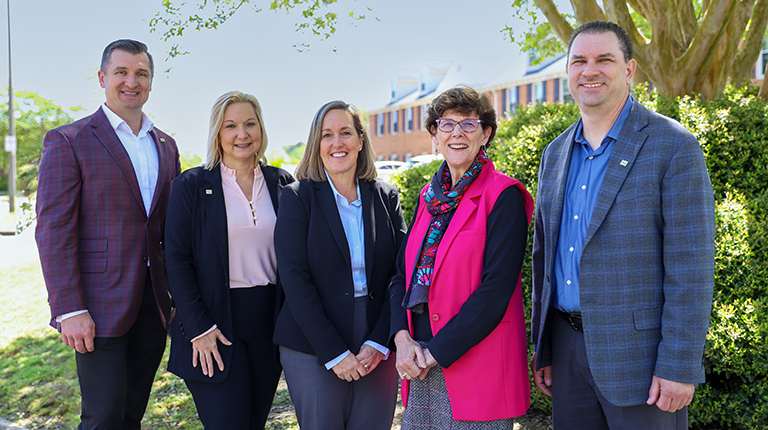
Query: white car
(421,159)
(385,169)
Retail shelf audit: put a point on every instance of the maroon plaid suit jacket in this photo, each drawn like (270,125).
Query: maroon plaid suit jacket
(93,233)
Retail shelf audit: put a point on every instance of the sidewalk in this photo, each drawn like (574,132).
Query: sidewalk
(15,249)
(7,425)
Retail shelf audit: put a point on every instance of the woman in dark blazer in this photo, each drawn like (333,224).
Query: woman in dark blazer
(337,237)
(222,270)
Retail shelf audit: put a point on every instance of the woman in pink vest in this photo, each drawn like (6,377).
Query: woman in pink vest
(457,310)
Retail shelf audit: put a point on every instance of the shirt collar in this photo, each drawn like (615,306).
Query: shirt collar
(615,130)
(338,197)
(115,121)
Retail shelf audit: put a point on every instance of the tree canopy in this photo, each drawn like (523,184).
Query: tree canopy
(317,17)
(682,46)
(34,116)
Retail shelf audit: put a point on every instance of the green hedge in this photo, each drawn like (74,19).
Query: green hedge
(732,131)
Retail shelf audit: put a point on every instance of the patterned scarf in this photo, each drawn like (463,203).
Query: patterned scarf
(441,202)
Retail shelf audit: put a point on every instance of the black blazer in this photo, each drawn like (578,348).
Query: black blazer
(197,260)
(315,270)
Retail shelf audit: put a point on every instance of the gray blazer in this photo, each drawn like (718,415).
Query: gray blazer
(647,267)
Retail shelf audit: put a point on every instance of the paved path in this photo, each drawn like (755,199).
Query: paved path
(7,425)
(14,250)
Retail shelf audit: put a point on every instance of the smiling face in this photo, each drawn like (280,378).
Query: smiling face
(339,144)
(458,147)
(240,135)
(127,82)
(598,75)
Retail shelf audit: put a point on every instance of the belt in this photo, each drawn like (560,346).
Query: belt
(573,319)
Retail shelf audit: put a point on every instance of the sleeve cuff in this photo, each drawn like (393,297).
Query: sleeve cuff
(329,365)
(61,318)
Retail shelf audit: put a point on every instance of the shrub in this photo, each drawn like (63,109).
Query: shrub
(410,182)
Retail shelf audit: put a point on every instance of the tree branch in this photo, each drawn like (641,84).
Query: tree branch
(750,48)
(556,20)
(587,10)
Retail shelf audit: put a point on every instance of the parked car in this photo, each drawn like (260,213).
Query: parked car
(385,169)
(421,159)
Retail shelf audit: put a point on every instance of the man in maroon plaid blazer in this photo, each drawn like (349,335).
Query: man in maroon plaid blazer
(104,186)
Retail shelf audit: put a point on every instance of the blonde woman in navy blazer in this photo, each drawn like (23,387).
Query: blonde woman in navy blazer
(221,340)
(337,236)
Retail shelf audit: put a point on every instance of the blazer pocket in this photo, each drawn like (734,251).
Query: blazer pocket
(93,265)
(647,319)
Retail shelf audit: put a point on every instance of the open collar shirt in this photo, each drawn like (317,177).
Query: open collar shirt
(585,175)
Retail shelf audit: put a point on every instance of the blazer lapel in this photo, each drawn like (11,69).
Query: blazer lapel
(212,196)
(621,161)
(164,165)
(369,224)
(271,181)
(331,212)
(106,134)
(562,156)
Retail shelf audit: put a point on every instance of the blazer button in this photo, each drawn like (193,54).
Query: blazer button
(372,295)
(435,317)
(145,259)
(149,222)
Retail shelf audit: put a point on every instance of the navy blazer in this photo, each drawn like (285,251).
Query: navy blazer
(315,269)
(647,265)
(197,259)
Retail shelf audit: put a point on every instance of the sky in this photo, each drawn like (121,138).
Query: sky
(56,49)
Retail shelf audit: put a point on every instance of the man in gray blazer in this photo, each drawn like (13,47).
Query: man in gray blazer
(623,254)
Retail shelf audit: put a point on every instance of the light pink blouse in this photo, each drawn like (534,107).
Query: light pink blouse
(251,228)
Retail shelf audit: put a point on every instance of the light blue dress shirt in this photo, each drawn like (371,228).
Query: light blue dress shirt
(585,175)
(351,215)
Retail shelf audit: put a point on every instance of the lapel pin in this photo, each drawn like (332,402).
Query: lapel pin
(208,191)
(162,139)
(624,163)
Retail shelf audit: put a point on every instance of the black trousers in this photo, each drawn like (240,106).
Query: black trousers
(243,400)
(577,403)
(116,377)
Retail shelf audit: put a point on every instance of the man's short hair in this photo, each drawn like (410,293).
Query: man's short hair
(130,46)
(598,27)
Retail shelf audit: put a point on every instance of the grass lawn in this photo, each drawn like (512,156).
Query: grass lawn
(38,380)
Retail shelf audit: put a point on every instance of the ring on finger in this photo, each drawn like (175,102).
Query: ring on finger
(348,379)
(404,376)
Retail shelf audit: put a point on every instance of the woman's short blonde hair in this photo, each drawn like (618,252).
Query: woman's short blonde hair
(311,164)
(215,152)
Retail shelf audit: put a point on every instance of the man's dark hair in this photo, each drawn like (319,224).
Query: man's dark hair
(598,27)
(130,46)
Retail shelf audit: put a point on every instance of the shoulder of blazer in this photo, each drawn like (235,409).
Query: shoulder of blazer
(280,176)
(196,175)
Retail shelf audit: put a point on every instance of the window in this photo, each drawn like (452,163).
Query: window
(513,97)
(529,94)
(762,60)
(424,116)
(567,98)
(394,122)
(556,86)
(541,92)
(380,124)
(417,117)
(409,120)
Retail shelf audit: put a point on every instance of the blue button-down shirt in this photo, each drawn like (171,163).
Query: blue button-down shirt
(351,215)
(585,175)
